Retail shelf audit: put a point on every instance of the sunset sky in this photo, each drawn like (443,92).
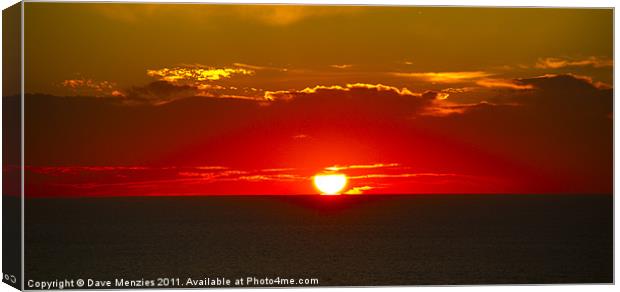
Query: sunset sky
(137,99)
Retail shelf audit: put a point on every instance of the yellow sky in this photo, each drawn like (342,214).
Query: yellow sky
(115,45)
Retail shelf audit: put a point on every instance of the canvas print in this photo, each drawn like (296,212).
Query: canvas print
(229,145)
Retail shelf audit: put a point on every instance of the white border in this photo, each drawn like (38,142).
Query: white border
(511,3)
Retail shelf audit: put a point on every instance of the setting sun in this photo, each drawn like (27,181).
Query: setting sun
(330,184)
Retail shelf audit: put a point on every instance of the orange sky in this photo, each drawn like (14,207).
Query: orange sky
(135,99)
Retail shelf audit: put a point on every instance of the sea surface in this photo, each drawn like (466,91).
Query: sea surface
(338,240)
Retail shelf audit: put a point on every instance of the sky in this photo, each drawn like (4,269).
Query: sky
(174,99)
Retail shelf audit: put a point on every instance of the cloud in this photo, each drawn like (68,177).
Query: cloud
(154,180)
(341,66)
(553,81)
(569,76)
(554,93)
(387,98)
(192,80)
(503,83)
(273,177)
(374,100)
(458,90)
(570,94)
(556,63)
(282,169)
(361,166)
(450,108)
(84,86)
(172,84)
(290,94)
(77,170)
(157,93)
(257,67)
(445,77)
(212,167)
(358,190)
(212,174)
(403,175)
(279,95)
(195,73)
(162,92)
(560,129)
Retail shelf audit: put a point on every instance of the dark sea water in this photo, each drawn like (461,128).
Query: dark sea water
(340,240)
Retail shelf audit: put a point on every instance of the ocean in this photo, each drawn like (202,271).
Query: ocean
(355,240)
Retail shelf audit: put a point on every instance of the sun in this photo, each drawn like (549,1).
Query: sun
(330,184)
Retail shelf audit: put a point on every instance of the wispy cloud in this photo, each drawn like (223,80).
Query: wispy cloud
(444,109)
(556,63)
(273,177)
(51,170)
(258,67)
(341,66)
(159,93)
(503,83)
(404,175)
(209,179)
(213,173)
(85,86)
(358,190)
(361,166)
(139,180)
(445,77)
(458,89)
